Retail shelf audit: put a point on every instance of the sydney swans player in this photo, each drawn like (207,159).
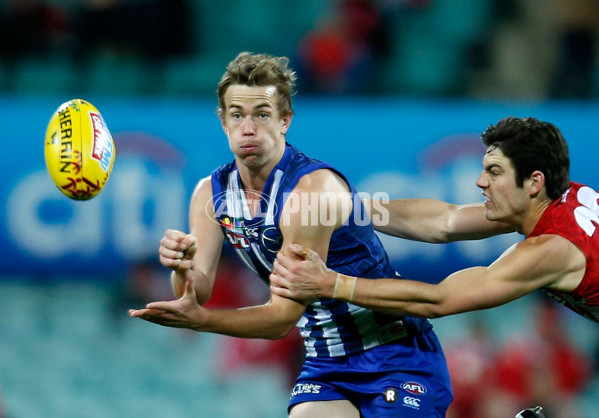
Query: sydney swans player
(526,186)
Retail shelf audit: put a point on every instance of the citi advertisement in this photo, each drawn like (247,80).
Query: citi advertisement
(387,148)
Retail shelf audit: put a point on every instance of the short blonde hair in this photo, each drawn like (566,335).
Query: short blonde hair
(259,70)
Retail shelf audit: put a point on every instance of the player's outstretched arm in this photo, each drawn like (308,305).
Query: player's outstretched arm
(270,321)
(432,220)
(548,261)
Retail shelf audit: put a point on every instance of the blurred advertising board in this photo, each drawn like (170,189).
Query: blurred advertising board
(402,148)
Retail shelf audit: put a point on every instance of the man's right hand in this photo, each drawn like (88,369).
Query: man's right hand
(177,250)
(301,275)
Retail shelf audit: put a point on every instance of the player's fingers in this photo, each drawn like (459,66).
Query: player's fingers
(189,244)
(162,307)
(277,287)
(178,240)
(283,262)
(310,254)
(278,275)
(175,234)
(143,313)
(170,243)
(184,264)
(278,266)
(170,254)
(298,252)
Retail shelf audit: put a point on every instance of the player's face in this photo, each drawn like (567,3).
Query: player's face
(252,122)
(504,200)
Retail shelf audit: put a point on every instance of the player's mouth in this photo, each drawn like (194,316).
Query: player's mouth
(249,148)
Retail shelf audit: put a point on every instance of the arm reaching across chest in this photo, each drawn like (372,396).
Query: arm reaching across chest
(547,261)
(432,220)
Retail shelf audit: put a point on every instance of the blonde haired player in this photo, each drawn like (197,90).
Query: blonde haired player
(358,363)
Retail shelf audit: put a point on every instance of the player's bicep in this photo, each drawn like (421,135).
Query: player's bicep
(318,205)
(522,269)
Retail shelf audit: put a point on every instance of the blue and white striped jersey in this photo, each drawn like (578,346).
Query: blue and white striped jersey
(330,328)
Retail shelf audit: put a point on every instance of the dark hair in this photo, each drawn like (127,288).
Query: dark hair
(532,145)
(259,70)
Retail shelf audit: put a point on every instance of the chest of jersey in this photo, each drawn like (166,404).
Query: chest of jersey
(248,220)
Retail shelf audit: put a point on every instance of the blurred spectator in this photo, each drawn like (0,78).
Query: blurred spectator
(577,30)
(471,367)
(543,49)
(154,29)
(544,368)
(146,280)
(28,28)
(343,54)
(152,32)
(404,4)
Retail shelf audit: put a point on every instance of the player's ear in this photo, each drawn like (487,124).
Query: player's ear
(225,129)
(537,182)
(286,123)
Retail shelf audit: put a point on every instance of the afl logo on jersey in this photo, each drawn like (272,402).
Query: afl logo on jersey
(248,205)
(414,388)
(272,239)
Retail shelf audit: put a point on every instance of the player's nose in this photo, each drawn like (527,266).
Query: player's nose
(248,125)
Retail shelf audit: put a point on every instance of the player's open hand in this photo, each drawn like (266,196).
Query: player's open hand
(184,312)
(299,273)
(177,250)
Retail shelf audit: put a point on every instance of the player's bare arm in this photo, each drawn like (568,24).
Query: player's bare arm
(547,261)
(279,316)
(432,220)
(195,255)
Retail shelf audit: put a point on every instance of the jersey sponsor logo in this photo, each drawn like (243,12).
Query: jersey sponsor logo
(411,402)
(414,388)
(236,231)
(305,388)
(390,395)
(272,239)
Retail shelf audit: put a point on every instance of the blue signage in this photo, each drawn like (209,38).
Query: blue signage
(400,148)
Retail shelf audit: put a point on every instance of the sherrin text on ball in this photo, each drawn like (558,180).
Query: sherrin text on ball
(79,150)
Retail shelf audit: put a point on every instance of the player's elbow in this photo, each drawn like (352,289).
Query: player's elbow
(438,304)
(444,307)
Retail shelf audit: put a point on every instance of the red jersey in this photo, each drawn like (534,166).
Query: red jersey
(575,216)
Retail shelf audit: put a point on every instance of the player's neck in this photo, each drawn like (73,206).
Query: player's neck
(533,217)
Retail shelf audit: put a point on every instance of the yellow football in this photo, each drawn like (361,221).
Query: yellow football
(79,150)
